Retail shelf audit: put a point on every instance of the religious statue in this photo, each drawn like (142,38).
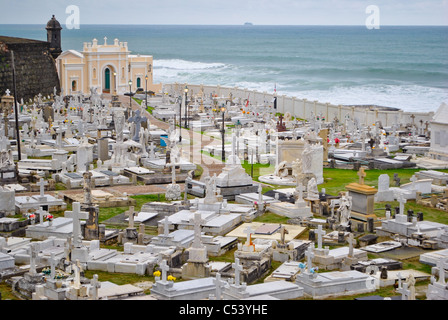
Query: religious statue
(344,210)
(312,191)
(281,170)
(307,159)
(297,170)
(6,158)
(411,286)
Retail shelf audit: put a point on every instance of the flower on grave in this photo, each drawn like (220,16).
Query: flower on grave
(337,140)
(171,278)
(49,217)
(46,271)
(157,273)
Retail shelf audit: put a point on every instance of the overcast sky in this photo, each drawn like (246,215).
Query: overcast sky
(227,12)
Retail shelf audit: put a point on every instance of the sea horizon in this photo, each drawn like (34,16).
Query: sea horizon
(399,66)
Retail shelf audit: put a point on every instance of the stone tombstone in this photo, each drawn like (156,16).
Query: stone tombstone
(311,235)
(383,182)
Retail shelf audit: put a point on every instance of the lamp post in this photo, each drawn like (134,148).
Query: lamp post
(130,98)
(180,118)
(146,92)
(186,115)
(223,131)
(115,83)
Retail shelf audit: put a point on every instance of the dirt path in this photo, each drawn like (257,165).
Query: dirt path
(209,164)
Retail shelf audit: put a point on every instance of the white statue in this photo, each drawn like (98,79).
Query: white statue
(312,191)
(344,210)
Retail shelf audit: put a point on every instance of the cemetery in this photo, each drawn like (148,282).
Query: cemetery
(234,201)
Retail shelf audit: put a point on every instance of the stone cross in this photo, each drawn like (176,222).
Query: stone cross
(33,258)
(95,285)
(405,292)
(309,256)
(8,92)
(165,268)
(166,226)
(399,280)
(131,214)
(319,233)
(198,221)
(219,285)
(300,188)
(440,265)
(53,263)
(238,268)
(249,231)
(41,213)
(413,179)
(137,119)
(42,185)
(351,243)
(77,215)
(402,201)
(260,195)
(361,175)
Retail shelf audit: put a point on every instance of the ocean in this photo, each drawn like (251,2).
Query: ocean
(394,66)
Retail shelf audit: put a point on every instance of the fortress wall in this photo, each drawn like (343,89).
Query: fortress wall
(35,68)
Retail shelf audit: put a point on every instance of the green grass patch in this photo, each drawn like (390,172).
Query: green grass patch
(270,217)
(118,278)
(430,214)
(258,169)
(335,180)
(6,292)
(150,109)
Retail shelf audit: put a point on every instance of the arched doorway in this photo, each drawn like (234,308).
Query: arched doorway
(107,80)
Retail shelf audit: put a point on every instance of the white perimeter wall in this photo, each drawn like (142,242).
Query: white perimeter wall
(302,108)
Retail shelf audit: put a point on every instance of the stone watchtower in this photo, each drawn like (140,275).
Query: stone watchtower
(54,36)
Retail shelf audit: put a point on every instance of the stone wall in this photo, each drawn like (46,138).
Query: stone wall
(35,68)
(303,108)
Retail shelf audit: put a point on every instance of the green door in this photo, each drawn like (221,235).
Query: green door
(107,79)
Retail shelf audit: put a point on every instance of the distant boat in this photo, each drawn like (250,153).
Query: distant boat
(248,24)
